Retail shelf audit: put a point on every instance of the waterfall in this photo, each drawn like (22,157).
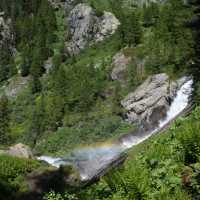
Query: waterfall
(178,105)
(90,161)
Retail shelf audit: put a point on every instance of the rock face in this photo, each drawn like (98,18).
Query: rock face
(150,102)
(120,64)
(6,35)
(20,150)
(87,28)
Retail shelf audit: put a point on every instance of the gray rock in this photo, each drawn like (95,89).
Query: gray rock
(120,64)
(151,100)
(15,85)
(21,151)
(6,35)
(87,28)
(107,26)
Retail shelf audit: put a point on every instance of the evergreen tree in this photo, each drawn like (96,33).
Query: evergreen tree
(37,121)
(131,31)
(150,14)
(4,119)
(195,67)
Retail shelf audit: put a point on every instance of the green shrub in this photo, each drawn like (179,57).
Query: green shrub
(12,173)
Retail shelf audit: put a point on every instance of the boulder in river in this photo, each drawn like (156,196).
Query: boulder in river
(151,100)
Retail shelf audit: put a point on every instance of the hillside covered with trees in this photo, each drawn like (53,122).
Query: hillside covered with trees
(66,67)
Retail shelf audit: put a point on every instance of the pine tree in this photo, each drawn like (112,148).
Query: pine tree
(150,14)
(4,119)
(131,31)
(37,120)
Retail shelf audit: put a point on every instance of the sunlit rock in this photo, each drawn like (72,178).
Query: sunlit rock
(86,27)
(151,100)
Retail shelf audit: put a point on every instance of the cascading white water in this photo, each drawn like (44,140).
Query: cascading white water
(90,161)
(179,103)
(56,162)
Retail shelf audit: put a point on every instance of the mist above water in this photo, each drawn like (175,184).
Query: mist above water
(90,161)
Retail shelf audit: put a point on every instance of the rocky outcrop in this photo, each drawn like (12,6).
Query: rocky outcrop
(20,150)
(6,35)
(15,85)
(120,64)
(150,102)
(87,28)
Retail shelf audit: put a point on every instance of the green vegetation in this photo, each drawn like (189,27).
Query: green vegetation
(12,173)
(76,103)
(165,167)
(71,101)
(4,119)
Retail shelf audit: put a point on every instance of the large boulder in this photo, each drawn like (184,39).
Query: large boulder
(21,151)
(88,27)
(151,100)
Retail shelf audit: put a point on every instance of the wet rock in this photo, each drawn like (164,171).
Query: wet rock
(151,100)
(120,64)
(21,151)
(87,28)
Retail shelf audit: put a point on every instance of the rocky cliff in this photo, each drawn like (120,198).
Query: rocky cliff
(88,27)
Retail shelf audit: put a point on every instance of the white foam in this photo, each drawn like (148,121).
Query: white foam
(179,103)
(50,160)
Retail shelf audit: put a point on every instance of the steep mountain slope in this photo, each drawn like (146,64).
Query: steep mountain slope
(68,74)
